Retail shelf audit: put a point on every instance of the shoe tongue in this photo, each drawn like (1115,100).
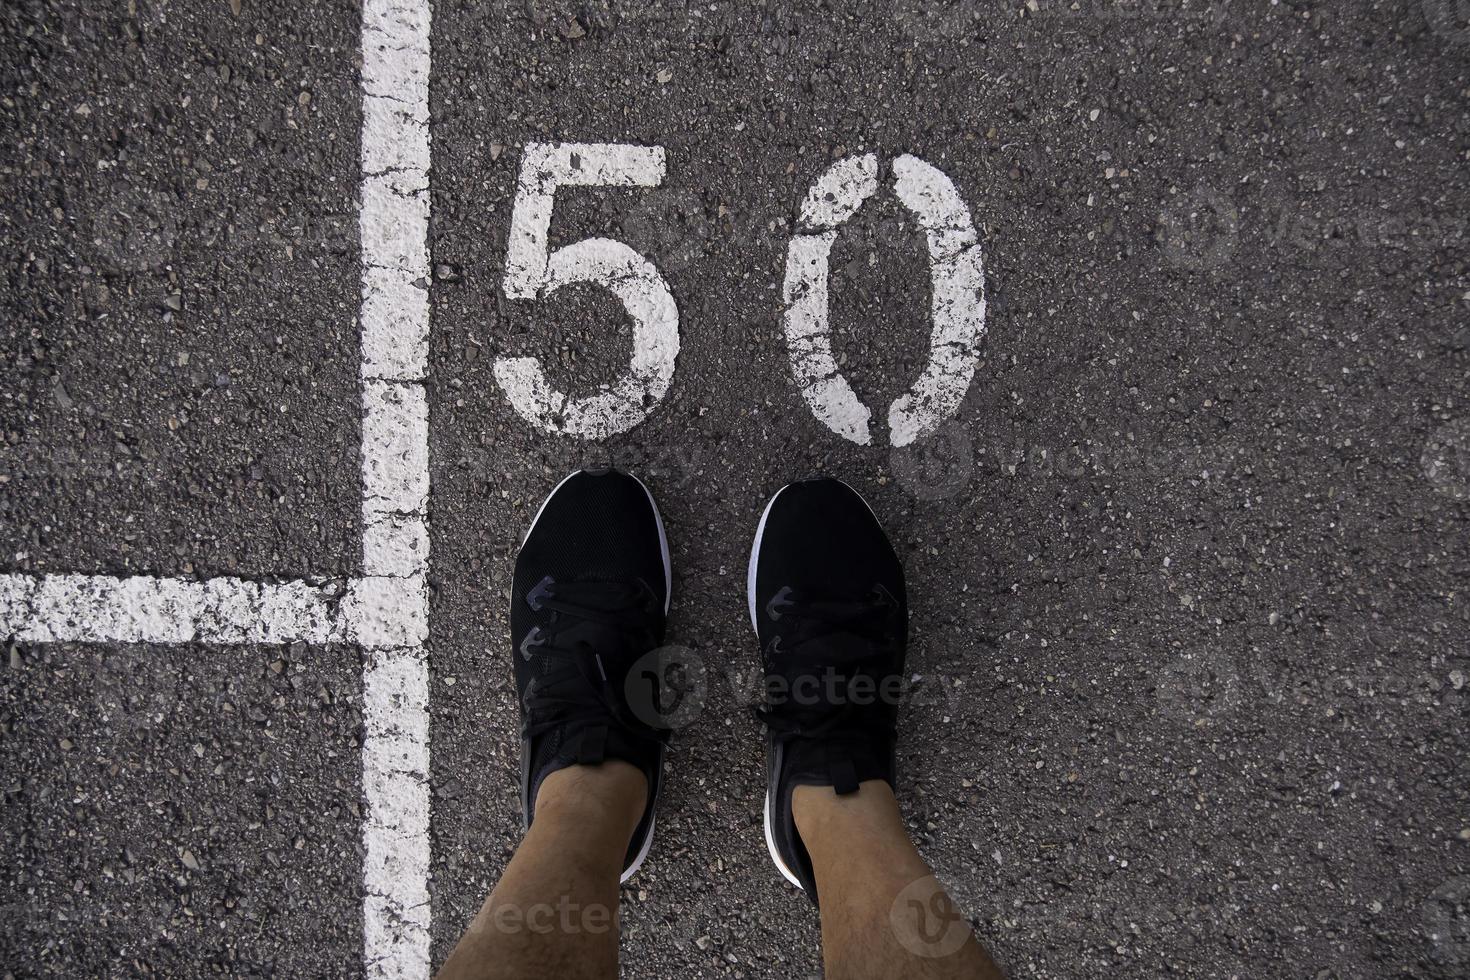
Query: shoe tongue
(832,660)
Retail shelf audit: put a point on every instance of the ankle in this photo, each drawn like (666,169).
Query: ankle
(860,850)
(820,812)
(858,835)
(610,795)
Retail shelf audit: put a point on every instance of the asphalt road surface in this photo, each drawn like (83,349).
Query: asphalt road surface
(1188,547)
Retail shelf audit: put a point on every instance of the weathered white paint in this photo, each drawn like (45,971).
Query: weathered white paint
(387,612)
(839,192)
(809,340)
(145,609)
(957,308)
(395,317)
(395,544)
(548,166)
(374,611)
(531,273)
(395,447)
(835,196)
(957,311)
(395,763)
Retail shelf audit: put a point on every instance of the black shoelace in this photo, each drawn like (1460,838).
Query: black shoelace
(863,628)
(594,622)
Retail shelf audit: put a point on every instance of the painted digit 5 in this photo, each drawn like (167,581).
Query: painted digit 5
(532,273)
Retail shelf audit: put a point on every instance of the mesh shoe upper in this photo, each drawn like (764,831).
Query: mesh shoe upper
(828,602)
(589,598)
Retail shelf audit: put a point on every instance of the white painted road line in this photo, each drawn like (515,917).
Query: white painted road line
(394,222)
(386,611)
(141,609)
(376,612)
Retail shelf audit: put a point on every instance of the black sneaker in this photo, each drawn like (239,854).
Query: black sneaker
(828,604)
(590,597)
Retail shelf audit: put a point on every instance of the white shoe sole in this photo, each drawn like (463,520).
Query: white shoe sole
(755,552)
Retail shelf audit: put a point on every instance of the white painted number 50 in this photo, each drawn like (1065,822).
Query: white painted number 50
(957,279)
(530,273)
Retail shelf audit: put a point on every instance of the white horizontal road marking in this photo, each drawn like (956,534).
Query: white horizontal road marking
(140,609)
(376,612)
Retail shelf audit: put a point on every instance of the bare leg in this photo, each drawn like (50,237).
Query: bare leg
(554,912)
(883,913)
